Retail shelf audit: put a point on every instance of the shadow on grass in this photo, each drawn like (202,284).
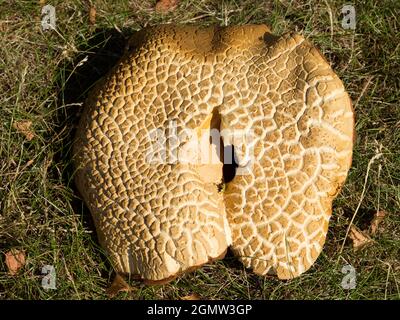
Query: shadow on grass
(363,218)
(74,80)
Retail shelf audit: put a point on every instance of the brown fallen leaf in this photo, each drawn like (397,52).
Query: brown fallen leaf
(118,285)
(166,5)
(24,127)
(360,238)
(92,15)
(192,296)
(15,260)
(378,218)
(42,2)
(28,163)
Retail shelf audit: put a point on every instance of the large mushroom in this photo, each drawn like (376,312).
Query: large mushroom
(162,215)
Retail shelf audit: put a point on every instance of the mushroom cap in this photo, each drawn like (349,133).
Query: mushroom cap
(157,219)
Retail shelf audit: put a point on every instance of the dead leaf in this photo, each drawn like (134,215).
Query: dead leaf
(29,162)
(192,296)
(42,2)
(15,260)
(166,5)
(378,218)
(92,15)
(24,127)
(360,238)
(118,285)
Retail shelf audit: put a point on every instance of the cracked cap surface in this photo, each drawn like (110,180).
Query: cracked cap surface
(157,220)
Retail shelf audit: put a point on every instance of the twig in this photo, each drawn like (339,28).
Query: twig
(71,278)
(365,87)
(330,18)
(375,157)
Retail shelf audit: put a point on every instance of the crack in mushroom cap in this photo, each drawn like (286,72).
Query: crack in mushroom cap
(159,220)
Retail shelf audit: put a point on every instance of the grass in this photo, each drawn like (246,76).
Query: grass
(42,81)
